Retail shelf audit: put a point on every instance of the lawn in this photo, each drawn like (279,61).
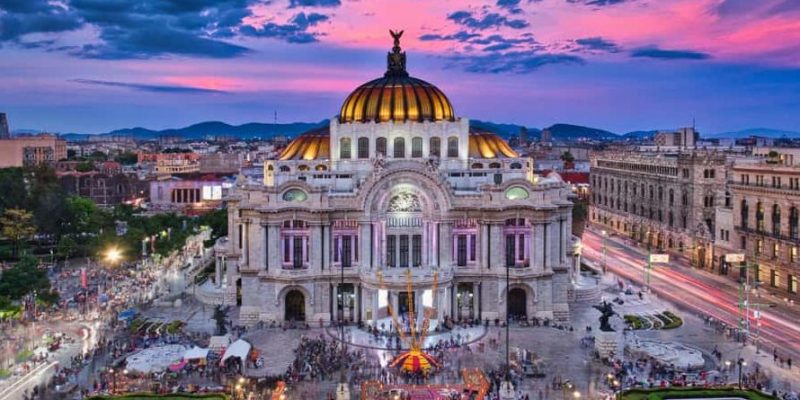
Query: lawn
(693,393)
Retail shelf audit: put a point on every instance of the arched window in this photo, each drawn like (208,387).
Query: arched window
(494,165)
(671,197)
(670,221)
(477,166)
(452,147)
(303,167)
(435,147)
(380,146)
(793,222)
(285,168)
(515,165)
(321,167)
(760,216)
(344,148)
(416,147)
(399,147)
(363,147)
(270,167)
(776,220)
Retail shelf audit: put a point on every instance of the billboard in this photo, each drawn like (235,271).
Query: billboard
(659,258)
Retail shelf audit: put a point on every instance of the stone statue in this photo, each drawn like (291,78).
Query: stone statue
(396,36)
(396,59)
(606,312)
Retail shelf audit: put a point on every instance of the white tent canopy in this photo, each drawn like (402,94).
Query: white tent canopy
(195,353)
(239,348)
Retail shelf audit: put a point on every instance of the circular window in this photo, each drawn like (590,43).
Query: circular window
(295,195)
(516,193)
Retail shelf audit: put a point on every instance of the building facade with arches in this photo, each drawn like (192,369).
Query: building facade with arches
(399,206)
(664,200)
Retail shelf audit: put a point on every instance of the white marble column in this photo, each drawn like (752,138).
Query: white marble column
(315,258)
(445,244)
(274,247)
(498,250)
(364,245)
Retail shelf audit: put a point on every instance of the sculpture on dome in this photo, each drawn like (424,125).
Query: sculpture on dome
(396,59)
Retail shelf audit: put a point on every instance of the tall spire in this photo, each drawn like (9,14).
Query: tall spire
(396,59)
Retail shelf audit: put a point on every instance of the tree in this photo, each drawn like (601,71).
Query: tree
(23,278)
(127,158)
(13,192)
(17,226)
(579,217)
(85,166)
(567,157)
(66,247)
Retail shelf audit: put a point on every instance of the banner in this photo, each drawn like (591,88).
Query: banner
(659,258)
(734,258)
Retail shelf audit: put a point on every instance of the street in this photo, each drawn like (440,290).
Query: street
(700,291)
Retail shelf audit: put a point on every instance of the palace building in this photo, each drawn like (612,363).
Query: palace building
(398,206)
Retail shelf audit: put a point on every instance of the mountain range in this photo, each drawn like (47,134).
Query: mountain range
(253,130)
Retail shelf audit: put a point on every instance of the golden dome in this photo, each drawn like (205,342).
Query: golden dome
(485,144)
(312,145)
(396,96)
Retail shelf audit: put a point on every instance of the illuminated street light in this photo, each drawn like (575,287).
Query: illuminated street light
(113,255)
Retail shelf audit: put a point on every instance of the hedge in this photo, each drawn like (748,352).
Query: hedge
(693,393)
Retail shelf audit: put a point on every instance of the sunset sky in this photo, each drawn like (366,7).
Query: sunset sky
(94,65)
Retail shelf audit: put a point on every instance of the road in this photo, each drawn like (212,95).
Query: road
(700,291)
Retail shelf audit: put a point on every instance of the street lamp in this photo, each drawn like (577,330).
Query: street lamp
(113,255)
(742,363)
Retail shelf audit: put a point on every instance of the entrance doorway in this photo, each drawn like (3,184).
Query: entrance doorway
(346,302)
(295,306)
(517,304)
(405,303)
(465,299)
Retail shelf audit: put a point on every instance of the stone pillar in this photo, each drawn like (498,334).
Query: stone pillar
(315,257)
(483,244)
(445,245)
(498,250)
(537,246)
(274,249)
(364,245)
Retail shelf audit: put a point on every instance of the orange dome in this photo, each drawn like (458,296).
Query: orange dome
(484,144)
(396,96)
(312,145)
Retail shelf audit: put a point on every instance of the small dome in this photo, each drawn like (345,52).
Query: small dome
(485,144)
(312,145)
(396,96)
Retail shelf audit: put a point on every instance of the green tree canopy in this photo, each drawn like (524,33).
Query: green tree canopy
(17,226)
(23,278)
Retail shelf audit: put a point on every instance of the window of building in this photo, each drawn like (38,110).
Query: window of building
(759,247)
(295,238)
(345,243)
(435,147)
(344,148)
(776,220)
(745,213)
(727,199)
(671,198)
(452,147)
(792,284)
(363,147)
(774,278)
(399,147)
(760,216)
(743,243)
(793,222)
(670,219)
(416,250)
(403,252)
(391,250)
(380,146)
(517,234)
(416,147)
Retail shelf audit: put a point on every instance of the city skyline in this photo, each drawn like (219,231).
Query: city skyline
(612,64)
